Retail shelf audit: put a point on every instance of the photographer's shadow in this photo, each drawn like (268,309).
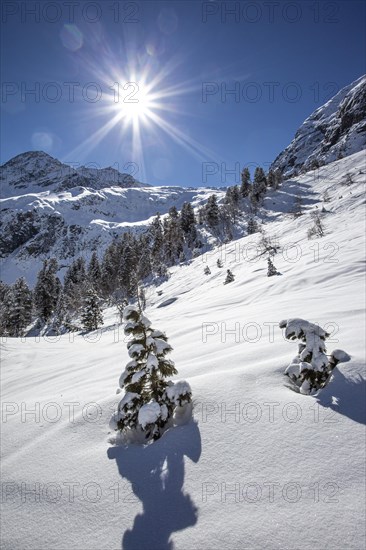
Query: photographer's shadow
(156,473)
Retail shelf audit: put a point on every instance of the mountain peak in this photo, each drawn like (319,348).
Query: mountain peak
(333,131)
(23,159)
(35,171)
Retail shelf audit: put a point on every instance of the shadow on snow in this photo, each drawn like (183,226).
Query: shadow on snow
(345,396)
(156,473)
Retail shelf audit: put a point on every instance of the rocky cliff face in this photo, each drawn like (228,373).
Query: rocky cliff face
(335,130)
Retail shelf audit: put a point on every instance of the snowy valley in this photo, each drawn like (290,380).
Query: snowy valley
(259,465)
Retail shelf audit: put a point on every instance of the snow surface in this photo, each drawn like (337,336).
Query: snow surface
(261,467)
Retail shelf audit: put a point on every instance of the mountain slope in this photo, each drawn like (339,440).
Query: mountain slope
(36,171)
(51,209)
(335,130)
(264,467)
(65,224)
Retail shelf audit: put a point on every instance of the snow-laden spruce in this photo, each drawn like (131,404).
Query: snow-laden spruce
(271,269)
(150,400)
(310,370)
(229,277)
(91,316)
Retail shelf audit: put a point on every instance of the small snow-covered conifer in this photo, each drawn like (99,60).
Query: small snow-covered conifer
(229,277)
(317,230)
(150,400)
(219,263)
(348,180)
(297,208)
(271,268)
(253,226)
(207,270)
(310,370)
(91,316)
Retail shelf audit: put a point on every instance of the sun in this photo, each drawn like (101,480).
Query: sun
(135,102)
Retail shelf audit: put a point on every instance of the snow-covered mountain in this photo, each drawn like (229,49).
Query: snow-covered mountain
(36,171)
(262,467)
(51,209)
(333,131)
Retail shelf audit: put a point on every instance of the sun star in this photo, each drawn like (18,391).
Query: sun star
(133,101)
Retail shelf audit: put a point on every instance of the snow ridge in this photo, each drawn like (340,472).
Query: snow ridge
(333,131)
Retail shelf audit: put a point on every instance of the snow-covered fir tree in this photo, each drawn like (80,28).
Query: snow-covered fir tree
(126,270)
(259,186)
(348,179)
(310,370)
(231,203)
(245,182)
(173,236)
(188,223)
(144,268)
(274,179)
(94,271)
(60,313)
(271,179)
(212,211)
(278,177)
(326,196)
(271,270)
(207,270)
(219,263)
(47,290)
(317,229)
(297,208)
(157,248)
(75,284)
(91,316)
(4,293)
(150,399)
(253,226)
(18,308)
(269,244)
(229,277)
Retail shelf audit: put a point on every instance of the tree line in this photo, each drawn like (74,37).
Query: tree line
(128,263)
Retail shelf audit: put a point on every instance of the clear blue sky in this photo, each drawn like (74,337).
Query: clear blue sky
(283,59)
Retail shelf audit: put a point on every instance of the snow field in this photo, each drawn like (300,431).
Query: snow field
(260,466)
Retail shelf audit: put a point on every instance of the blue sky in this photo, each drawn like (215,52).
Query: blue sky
(145,86)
